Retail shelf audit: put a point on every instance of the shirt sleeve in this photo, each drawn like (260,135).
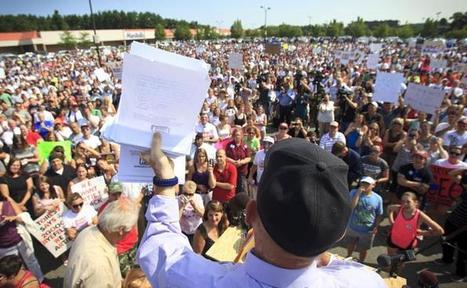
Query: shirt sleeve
(165,255)
(232,175)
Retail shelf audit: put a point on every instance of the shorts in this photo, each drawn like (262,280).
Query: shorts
(363,241)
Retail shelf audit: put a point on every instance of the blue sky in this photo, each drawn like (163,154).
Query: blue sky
(223,13)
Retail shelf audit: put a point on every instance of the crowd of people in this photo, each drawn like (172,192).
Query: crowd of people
(303,91)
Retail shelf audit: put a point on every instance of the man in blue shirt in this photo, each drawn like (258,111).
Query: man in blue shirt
(366,215)
(302,209)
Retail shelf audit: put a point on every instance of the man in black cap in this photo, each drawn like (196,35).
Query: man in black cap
(302,210)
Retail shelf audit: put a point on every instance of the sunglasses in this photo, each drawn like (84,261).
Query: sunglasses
(454,153)
(188,194)
(76,206)
(283,128)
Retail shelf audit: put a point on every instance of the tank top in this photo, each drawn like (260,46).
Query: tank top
(404,231)
(240,121)
(201,178)
(208,241)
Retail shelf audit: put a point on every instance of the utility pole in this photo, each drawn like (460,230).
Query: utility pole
(95,35)
(265,20)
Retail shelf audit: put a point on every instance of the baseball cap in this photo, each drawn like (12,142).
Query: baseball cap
(368,179)
(268,139)
(374,103)
(115,187)
(334,124)
(303,197)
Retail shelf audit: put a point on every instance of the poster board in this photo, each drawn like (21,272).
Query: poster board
(49,230)
(44,148)
(236,60)
(372,61)
(388,87)
(272,48)
(424,98)
(443,191)
(93,191)
(433,46)
(116,70)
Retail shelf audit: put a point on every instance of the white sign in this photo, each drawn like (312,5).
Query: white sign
(376,47)
(372,61)
(438,63)
(2,73)
(433,46)
(162,92)
(236,60)
(101,75)
(134,170)
(460,67)
(388,87)
(424,98)
(116,70)
(93,191)
(50,232)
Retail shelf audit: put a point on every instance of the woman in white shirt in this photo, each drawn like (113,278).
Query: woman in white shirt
(325,114)
(79,216)
(191,209)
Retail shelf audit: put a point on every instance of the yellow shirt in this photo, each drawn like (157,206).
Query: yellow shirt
(93,262)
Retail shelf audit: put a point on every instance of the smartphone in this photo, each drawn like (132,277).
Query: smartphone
(211,162)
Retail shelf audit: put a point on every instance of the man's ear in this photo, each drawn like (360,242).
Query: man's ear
(251,213)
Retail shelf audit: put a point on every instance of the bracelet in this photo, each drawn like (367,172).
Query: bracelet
(164,182)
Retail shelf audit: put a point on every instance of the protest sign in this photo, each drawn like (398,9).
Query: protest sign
(50,232)
(272,48)
(317,50)
(101,75)
(93,191)
(443,190)
(2,73)
(236,60)
(376,47)
(388,87)
(44,148)
(344,57)
(116,70)
(227,247)
(134,170)
(438,63)
(163,92)
(424,98)
(372,61)
(460,67)
(433,46)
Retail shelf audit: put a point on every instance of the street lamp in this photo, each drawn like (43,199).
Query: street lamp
(265,19)
(95,35)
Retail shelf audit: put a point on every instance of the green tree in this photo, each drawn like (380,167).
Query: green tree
(236,30)
(285,30)
(182,32)
(357,28)
(405,31)
(459,20)
(159,32)
(58,23)
(68,40)
(430,28)
(382,30)
(335,29)
(84,41)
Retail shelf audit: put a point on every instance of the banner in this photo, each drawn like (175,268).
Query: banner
(93,191)
(424,98)
(50,232)
(388,87)
(433,46)
(236,60)
(273,48)
(443,190)
(44,148)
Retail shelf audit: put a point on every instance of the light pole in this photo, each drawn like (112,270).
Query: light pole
(95,35)
(265,20)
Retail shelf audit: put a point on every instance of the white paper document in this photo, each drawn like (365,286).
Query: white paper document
(388,86)
(134,170)
(162,92)
(424,98)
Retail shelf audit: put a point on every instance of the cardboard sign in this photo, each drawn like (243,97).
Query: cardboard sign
(236,60)
(433,46)
(388,87)
(44,148)
(424,98)
(93,191)
(443,190)
(50,232)
(272,48)
(438,63)
(226,248)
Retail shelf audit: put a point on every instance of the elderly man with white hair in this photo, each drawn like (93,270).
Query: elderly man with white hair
(93,260)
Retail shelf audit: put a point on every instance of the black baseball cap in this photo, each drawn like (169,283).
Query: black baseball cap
(303,198)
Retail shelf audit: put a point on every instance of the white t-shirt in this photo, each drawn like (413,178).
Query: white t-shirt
(453,138)
(445,163)
(79,220)
(189,220)
(259,162)
(208,130)
(93,142)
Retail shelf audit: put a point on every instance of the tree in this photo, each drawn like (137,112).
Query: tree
(430,28)
(459,20)
(382,30)
(68,40)
(405,31)
(84,41)
(335,29)
(236,30)
(357,28)
(159,32)
(182,32)
(58,23)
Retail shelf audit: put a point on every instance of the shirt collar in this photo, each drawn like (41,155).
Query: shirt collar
(279,277)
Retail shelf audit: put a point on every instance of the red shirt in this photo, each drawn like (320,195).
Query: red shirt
(228,175)
(238,152)
(32,138)
(128,241)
